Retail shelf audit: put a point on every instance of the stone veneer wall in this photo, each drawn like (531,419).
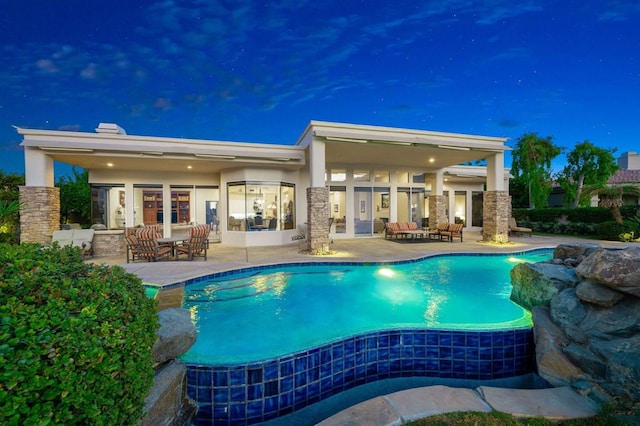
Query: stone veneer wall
(495,216)
(318,219)
(437,210)
(109,243)
(40,213)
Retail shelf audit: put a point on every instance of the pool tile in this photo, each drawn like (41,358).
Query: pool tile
(254,375)
(238,394)
(238,376)
(458,339)
(271,405)
(286,368)
(271,370)
(252,393)
(325,356)
(271,388)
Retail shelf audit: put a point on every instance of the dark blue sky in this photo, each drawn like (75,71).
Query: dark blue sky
(260,71)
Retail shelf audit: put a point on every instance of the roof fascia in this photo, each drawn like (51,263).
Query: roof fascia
(156,145)
(415,137)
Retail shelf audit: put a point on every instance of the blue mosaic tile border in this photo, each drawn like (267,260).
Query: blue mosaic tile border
(256,392)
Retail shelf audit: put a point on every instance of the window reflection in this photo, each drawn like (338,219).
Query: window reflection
(261,206)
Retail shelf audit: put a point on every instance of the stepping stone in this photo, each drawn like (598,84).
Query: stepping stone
(413,404)
(560,403)
(374,412)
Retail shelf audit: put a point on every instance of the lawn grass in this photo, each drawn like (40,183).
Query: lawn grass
(495,418)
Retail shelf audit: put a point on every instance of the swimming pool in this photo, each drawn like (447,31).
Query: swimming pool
(276,339)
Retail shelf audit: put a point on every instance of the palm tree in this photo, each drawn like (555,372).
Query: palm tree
(611,197)
(7,209)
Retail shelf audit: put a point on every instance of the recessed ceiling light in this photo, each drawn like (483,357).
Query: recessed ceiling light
(109,164)
(431,160)
(189,167)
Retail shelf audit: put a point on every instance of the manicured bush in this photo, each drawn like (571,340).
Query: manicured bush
(75,339)
(578,214)
(612,230)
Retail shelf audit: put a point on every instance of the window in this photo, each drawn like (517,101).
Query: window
(476,208)
(361,175)
(381,176)
(260,206)
(107,205)
(460,208)
(338,175)
(402,177)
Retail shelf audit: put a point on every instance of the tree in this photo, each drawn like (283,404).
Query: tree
(531,166)
(587,165)
(10,207)
(611,197)
(75,197)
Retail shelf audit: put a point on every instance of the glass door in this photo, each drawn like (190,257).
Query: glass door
(363,211)
(338,206)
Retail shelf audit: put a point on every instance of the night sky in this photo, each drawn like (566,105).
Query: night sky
(252,71)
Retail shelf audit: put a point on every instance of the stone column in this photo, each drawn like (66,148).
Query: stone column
(318,220)
(39,214)
(495,216)
(437,210)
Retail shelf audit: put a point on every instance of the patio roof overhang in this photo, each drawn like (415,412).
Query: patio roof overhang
(394,147)
(125,152)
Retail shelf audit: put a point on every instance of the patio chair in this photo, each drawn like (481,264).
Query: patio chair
(198,242)
(454,231)
(132,244)
(148,247)
(437,233)
(514,228)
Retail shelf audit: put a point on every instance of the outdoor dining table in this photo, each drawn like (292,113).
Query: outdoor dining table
(171,242)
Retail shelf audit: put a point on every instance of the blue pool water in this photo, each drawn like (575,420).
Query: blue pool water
(261,314)
(273,341)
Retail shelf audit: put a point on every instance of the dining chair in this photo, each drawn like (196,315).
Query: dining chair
(198,242)
(148,247)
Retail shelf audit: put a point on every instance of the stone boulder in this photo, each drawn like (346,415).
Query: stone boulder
(574,251)
(553,364)
(596,294)
(536,284)
(616,269)
(167,403)
(622,375)
(567,311)
(589,337)
(175,336)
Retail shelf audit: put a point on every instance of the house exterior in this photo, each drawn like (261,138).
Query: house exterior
(628,175)
(337,181)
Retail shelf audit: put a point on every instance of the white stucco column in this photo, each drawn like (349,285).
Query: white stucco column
(129,207)
(495,172)
(38,168)
(317,163)
(437,182)
(166,210)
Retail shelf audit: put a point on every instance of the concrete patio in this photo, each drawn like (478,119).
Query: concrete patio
(376,249)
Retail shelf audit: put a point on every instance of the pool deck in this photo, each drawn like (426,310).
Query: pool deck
(376,249)
(399,407)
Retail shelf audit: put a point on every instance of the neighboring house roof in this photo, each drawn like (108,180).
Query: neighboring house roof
(625,176)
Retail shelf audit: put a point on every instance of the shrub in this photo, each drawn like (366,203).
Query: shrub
(612,230)
(75,339)
(579,214)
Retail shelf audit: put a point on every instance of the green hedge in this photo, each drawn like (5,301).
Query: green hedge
(580,214)
(612,230)
(75,339)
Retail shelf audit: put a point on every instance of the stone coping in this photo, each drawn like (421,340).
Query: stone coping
(397,408)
